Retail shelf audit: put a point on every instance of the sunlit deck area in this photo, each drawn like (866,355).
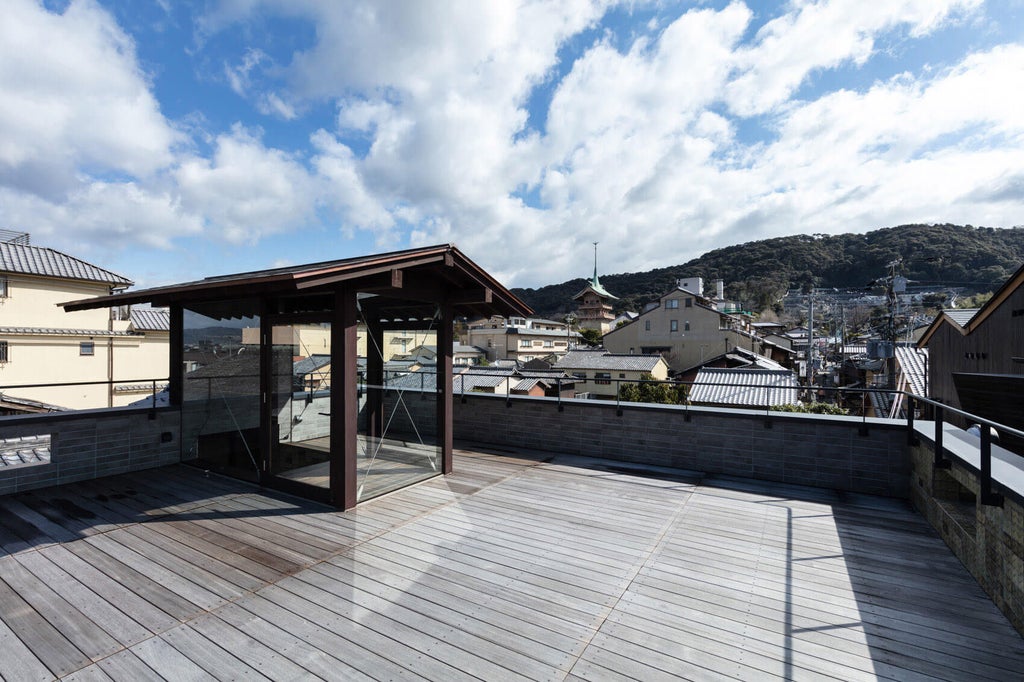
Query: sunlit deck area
(517,566)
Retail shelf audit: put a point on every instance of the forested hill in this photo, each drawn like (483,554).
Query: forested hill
(759,273)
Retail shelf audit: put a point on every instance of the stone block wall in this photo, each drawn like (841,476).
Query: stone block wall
(988,539)
(842,453)
(89,444)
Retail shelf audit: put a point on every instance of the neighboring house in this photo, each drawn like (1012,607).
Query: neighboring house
(624,318)
(461,354)
(520,339)
(314,339)
(976,357)
(754,388)
(600,373)
(122,350)
(496,380)
(312,373)
(737,358)
(686,328)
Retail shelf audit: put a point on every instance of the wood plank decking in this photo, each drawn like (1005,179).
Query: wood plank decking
(513,568)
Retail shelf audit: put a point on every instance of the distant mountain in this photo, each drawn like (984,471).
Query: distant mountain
(759,273)
(225,336)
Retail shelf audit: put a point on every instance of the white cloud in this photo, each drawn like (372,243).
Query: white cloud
(647,142)
(74,96)
(247,191)
(823,35)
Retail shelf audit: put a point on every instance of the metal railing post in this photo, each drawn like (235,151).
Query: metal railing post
(940,461)
(988,497)
(911,434)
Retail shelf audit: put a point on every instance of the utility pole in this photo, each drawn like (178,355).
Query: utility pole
(810,337)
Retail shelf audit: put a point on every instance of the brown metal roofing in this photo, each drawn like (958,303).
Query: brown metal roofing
(33,260)
(444,262)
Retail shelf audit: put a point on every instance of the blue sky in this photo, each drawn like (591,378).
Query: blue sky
(171,140)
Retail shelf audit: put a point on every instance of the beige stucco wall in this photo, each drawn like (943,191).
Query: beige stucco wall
(46,358)
(316,340)
(705,338)
(33,302)
(618,377)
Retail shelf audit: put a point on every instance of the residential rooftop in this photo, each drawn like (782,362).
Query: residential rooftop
(517,566)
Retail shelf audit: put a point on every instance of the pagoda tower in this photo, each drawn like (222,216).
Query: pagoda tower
(594,309)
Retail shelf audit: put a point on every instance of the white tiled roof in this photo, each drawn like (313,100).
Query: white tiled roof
(602,359)
(744,387)
(962,316)
(912,363)
(54,331)
(24,450)
(33,260)
(151,319)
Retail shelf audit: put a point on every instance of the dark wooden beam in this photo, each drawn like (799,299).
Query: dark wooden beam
(472,296)
(176,362)
(356,276)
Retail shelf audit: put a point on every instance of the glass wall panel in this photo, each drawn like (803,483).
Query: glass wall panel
(300,403)
(397,443)
(220,414)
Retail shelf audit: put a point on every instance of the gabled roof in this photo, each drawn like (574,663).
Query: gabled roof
(398,286)
(602,359)
(965,325)
(744,387)
(33,260)
(151,319)
(311,364)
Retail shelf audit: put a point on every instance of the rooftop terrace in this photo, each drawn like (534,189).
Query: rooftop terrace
(517,566)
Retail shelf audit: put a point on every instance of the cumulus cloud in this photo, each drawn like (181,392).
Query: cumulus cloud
(522,131)
(247,191)
(73,97)
(823,35)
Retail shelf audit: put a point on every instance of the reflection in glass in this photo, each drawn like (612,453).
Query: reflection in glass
(300,403)
(220,394)
(397,443)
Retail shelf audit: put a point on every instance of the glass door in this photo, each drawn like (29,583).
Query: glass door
(300,408)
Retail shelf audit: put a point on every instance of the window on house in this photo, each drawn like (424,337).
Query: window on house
(647,326)
(524,343)
(87,348)
(537,343)
(622,375)
(602,377)
(4,287)
(689,303)
(686,326)
(673,325)
(549,344)
(4,352)
(672,303)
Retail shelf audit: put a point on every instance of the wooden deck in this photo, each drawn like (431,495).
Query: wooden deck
(513,568)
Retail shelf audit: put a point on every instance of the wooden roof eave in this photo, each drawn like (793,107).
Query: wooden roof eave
(481,294)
